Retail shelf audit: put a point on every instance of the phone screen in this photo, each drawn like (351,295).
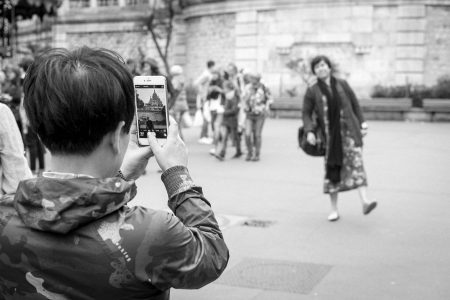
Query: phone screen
(151,106)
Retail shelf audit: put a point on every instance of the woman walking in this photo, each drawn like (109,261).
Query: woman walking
(339,115)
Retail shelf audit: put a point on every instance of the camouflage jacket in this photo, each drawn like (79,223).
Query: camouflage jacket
(77,239)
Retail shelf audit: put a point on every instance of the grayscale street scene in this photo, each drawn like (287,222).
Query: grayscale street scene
(273,216)
(267,150)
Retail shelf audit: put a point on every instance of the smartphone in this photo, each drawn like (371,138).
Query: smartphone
(150,93)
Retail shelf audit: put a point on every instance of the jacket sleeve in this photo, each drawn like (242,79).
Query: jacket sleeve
(308,109)
(13,164)
(185,249)
(354,101)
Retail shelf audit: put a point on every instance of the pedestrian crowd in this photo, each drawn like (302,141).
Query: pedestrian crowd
(232,103)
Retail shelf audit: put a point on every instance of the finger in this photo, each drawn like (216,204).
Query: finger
(172,120)
(173,128)
(133,127)
(153,142)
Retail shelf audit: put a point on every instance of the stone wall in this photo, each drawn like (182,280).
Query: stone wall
(210,37)
(437,58)
(125,44)
(371,42)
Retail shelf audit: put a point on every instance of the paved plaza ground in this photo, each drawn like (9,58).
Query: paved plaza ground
(400,251)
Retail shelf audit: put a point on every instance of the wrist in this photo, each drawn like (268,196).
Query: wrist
(176,180)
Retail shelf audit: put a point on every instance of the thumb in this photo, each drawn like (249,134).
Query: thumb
(153,142)
(145,152)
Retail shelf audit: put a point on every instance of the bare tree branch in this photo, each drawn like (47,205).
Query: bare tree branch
(170,27)
(160,26)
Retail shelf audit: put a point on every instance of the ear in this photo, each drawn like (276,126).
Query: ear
(116,137)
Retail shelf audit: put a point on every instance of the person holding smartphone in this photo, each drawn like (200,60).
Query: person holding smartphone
(71,234)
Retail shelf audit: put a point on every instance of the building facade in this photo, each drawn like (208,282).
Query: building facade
(372,42)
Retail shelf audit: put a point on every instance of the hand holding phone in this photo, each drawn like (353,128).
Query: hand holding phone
(151,108)
(173,152)
(136,158)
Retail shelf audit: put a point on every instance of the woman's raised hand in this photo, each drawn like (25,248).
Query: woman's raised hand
(311,138)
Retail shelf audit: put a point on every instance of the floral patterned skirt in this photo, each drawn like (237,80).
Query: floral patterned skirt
(352,172)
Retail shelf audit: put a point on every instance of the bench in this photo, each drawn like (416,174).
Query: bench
(439,109)
(385,108)
(373,109)
(286,107)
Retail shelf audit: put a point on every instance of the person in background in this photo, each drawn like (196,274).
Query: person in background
(229,122)
(237,79)
(32,142)
(202,83)
(13,164)
(215,102)
(133,67)
(12,93)
(257,99)
(340,117)
(23,67)
(71,233)
(180,106)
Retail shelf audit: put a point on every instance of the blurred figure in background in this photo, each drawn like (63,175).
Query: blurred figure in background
(32,142)
(12,93)
(180,106)
(202,83)
(133,67)
(237,79)
(13,164)
(229,123)
(257,99)
(215,102)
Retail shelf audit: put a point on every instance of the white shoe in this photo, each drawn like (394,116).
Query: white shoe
(202,140)
(334,216)
(208,141)
(212,151)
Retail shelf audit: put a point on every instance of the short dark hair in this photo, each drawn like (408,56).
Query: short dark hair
(318,59)
(74,98)
(210,64)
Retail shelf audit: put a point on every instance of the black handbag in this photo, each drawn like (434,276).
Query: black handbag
(318,149)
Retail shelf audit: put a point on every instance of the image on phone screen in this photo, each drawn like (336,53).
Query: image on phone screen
(151,110)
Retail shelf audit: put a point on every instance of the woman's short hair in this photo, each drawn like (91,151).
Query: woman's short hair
(234,67)
(74,98)
(318,59)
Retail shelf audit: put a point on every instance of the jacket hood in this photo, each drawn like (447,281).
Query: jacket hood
(62,205)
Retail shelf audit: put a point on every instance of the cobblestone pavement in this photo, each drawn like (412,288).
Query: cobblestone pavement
(273,213)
